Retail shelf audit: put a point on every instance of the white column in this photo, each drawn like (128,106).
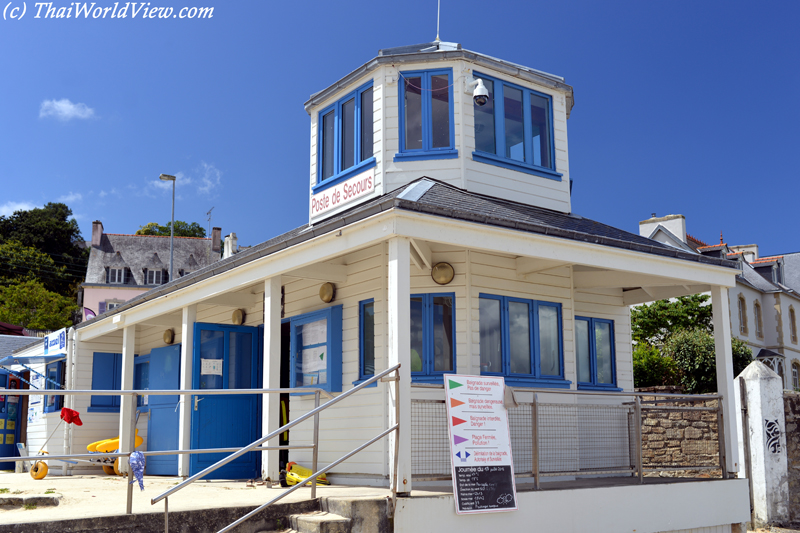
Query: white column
(724,362)
(399,351)
(270,417)
(189,317)
(127,405)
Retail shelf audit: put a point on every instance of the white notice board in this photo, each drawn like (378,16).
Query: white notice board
(480,444)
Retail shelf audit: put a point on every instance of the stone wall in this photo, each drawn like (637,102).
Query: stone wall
(680,438)
(791,405)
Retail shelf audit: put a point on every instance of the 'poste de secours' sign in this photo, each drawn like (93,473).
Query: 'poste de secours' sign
(480,444)
(343,193)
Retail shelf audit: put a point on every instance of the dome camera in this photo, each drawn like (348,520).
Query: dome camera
(480,94)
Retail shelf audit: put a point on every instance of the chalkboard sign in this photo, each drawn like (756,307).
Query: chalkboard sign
(484,488)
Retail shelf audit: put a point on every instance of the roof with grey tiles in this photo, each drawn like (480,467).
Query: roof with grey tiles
(435,198)
(9,343)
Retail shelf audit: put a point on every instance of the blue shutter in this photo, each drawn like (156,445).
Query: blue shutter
(101,308)
(106,375)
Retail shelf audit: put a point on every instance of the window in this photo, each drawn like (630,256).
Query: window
(316,348)
(515,129)
(155,277)
(116,275)
(795,377)
(344,138)
(792,324)
(757,320)
(107,375)
(521,340)
(141,380)
(366,340)
(594,349)
(742,315)
(433,321)
(425,101)
(54,374)
(113,304)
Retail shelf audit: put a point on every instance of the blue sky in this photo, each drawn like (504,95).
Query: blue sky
(681,107)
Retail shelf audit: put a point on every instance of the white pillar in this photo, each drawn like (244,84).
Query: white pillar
(270,418)
(399,351)
(188,318)
(724,363)
(766,434)
(127,405)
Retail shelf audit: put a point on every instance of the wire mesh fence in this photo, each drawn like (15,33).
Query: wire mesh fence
(677,439)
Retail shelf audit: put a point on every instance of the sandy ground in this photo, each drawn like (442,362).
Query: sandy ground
(101,495)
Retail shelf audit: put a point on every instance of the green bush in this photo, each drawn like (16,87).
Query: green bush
(693,353)
(651,369)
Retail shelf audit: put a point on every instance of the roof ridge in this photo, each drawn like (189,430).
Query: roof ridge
(159,236)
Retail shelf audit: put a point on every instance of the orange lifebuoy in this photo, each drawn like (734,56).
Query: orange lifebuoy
(39,469)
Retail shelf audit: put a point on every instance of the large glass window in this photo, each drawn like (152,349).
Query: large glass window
(366,339)
(514,129)
(432,336)
(594,349)
(345,143)
(521,340)
(316,349)
(426,115)
(54,374)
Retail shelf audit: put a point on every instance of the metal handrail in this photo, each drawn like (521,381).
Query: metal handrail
(250,447)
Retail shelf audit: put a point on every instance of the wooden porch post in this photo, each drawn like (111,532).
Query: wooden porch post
(724,362)
(270,419)
(127,406)
(188,318)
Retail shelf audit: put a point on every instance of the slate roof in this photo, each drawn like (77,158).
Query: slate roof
(791,271)
(138,252)
(10,343)
(750,277)
(435,198)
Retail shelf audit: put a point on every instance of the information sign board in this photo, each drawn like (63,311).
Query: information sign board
(480,444)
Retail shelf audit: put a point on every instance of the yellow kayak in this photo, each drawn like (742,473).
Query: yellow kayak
(297,474)
(109,445)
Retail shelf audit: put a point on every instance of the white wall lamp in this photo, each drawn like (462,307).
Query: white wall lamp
(442,273)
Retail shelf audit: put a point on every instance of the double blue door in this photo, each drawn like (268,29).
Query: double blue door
(225,357)
(162,428)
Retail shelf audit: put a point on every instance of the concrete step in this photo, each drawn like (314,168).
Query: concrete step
(319,522)
(367,514)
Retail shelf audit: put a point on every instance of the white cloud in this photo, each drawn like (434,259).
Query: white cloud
(71,197)
(102,194)
(211,178)
(8,208)
(205,180)
(64,110)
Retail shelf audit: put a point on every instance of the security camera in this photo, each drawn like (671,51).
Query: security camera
(479,92)
(480,95)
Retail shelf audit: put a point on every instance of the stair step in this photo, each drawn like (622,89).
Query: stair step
(319,522)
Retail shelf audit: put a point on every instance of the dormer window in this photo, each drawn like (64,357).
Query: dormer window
(116,275)
(425,101)
(344,138)
(515,129)
(154,277)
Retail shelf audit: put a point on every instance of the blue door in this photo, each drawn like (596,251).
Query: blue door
(225,357)
(162,427)
(9,420)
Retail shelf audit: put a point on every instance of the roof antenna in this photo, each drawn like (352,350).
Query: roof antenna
(208,214)
(438,14)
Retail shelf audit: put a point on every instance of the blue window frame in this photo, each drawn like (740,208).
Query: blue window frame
(515,129)
(107,375)
(521,340)
(316,349)
(54,374)
(433,345)
(344,138)
(594,351)
(366,341)
(141,380)
(425,106)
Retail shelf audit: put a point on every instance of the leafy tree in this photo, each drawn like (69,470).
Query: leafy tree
(52,230)
(651,368)
(20,263)
(182,229)
(31,305)
(693,352)
(653,323)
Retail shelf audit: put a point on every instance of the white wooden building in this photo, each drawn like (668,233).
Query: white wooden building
(409,176)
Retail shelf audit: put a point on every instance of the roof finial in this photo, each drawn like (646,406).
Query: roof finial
(438,12)
(720,238)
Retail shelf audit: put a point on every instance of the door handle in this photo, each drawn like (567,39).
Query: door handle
(197,400)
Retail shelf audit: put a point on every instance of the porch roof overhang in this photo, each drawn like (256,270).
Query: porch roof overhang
(602,256)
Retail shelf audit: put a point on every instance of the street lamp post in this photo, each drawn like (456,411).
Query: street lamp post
(167,177)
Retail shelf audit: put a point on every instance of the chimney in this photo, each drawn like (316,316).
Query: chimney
(97,233)
(231,245)
(216,237)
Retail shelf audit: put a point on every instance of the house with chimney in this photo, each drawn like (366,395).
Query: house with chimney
(440,238)
(122,266)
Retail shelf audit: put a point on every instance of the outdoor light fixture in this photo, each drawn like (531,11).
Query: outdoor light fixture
(327,292)
(167,177)
(169,336)
(237,317)
(443,273)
